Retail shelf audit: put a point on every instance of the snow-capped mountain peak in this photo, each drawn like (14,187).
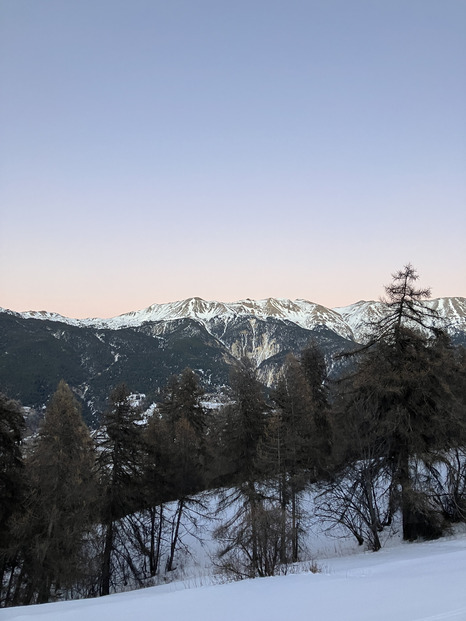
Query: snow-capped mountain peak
(350,322)
(300,312)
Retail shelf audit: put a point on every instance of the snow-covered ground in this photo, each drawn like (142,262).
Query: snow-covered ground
(407,582)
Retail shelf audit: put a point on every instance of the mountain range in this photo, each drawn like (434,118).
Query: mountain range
(143,348)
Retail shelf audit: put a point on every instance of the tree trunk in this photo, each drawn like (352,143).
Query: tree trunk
(373,514)
(283,551)
(106,560)
(10,580)
(252,499)
(174,541)
(159,540)
(404,479)
(43,595)
(17,594)
(294,526)
(155,541)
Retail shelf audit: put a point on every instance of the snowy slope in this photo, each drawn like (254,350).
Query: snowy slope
(453,310)
(412,582)
(45,315)
(358,316)
(301,312)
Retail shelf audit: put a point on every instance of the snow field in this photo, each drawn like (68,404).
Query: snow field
(409,582)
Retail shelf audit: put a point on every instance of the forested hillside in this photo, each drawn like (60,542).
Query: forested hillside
(145,348)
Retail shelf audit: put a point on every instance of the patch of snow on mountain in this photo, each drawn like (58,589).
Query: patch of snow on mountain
(452,311)
(360,316)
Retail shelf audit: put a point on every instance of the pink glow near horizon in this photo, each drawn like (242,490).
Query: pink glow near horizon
(89,302)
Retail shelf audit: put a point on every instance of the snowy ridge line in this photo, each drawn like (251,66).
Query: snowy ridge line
(303,313)
(348,321)
(451,312)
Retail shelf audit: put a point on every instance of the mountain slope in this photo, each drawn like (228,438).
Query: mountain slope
(304,314)
(347,321)
(143,348)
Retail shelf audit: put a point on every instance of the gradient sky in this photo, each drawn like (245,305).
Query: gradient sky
(153,150)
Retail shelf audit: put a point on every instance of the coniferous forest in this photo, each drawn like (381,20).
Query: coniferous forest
(84,513)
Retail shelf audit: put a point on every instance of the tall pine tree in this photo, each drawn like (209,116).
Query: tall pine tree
(404,378)
(120,468)
(12,484)
(61,503)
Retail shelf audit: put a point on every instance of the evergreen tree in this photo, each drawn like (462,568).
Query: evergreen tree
(298,442)
(61,501)
(177,442)
(182,400)
(156,486)
(11,487)
(404,380)
(247,421)
(314,369)
(245,535)
(405,308)
(120,466)
(286,450)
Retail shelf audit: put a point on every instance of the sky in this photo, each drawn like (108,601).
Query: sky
(154,150)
